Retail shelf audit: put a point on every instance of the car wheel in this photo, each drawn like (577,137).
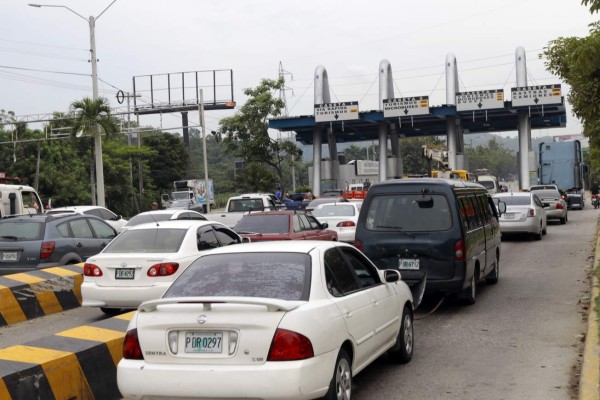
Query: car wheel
(110,311)
(340,387)
(403,349)
(493,276)
(470,294)
(563,220)
(540,234)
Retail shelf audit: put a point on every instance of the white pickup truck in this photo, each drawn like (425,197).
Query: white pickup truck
(238,206)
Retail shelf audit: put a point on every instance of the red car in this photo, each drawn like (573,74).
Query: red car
(283,225)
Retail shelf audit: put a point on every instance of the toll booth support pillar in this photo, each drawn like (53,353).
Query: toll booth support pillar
(317,145)
(452,141)
(335,162)
(523,124)
(395,145)
(383,133)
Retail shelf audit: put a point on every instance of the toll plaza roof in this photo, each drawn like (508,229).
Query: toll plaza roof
(432,124)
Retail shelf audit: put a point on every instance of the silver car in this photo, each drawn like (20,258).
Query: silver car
(557,206)
(525,213)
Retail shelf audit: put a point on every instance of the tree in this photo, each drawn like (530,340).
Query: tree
(92,115)
(247,132)
(574,60)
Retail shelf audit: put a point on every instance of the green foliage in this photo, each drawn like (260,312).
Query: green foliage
(247,132)
(90,114)
(499,161)
(594,5)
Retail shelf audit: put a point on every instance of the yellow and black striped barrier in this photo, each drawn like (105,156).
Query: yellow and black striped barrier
(79,363)
(37,293)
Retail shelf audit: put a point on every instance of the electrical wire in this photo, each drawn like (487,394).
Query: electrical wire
(44,45)
(43,70)
(38,54)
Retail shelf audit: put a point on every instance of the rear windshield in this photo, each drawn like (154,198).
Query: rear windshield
(274,223)
(516,200)
(273,275)
(409,212)
(545,194)
(147,241)
(21,230)
(246,205)
(334,210)
(142,219)
(487,184)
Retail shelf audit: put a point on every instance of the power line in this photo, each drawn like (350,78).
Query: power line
(43,70)
(38,54)
(44,45)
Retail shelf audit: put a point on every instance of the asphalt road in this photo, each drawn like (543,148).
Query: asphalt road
(521,340)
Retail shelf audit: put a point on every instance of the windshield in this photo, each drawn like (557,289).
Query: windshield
(334,210)
(246,205)
(409,212)
(515,200)
(272,275)
(552,194)
(264,223)
(181,195)
(487,184)
(147,241)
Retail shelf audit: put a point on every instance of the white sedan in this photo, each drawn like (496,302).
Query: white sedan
(142,262)
(111,218)
(341,217)
(162,215)
(292,321)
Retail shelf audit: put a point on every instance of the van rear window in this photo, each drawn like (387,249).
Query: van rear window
(409,212)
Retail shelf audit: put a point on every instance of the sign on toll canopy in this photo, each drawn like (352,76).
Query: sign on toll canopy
(331,112)
(536,95)
(480,100)
(406,106)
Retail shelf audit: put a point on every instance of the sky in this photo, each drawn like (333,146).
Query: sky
(253,38)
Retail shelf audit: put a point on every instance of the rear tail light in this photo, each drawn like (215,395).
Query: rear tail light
(559,206)
(359,245)
(459,251)
(289,346)
(345,224)
(46,250)
(531,212)
(91,270)
(131,346)
(163,269)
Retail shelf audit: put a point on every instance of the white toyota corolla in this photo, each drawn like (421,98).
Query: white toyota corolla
(142,262)
(292,321)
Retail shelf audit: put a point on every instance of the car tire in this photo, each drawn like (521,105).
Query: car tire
(563,220)
(110,311)
(540,234)
(403,349)
(492,277)
(469,295)
(341,384)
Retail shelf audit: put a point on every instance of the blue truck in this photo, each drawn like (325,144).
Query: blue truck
(561,163)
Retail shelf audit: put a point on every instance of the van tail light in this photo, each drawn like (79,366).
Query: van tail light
(163,269)
(359,245)
(131,346)
(91,270)
(531,212)
(459,251)
(345,224)
(46,250)
(289,346)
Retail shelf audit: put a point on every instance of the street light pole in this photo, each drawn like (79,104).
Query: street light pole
(97,135)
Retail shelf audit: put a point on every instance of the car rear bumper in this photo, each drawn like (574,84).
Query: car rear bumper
(555,214)
(305,379)
(93,295)
(530,225)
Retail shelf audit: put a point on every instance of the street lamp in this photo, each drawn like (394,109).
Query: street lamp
(94,59)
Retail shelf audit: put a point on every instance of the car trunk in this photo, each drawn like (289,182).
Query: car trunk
(129,269)
(234,333)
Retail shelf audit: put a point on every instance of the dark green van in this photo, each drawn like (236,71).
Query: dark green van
(442,233)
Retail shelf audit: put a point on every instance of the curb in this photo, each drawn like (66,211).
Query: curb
(79,363)
(37,293)
(589,381)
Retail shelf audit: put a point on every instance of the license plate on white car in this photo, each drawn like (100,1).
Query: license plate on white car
(124,273)
(408,263)
(204,342)
(509,216)
(9,256)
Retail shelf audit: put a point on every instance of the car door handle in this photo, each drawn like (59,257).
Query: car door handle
(374,302)
(79,244)
(348,314)
(103,244)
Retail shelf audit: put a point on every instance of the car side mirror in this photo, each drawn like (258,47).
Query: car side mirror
(391,275)
(246,240)
(325,225)
(501,207)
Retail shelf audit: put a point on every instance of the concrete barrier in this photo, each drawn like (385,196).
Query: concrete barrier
(79,363)
(37,293)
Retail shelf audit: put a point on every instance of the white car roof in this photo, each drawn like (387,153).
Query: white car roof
(78,208)
(291,246)
(181,224)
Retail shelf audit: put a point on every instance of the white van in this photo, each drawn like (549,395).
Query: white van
(19,199)
(489,182)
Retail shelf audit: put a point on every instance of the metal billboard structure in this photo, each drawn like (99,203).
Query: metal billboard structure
(180,92)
